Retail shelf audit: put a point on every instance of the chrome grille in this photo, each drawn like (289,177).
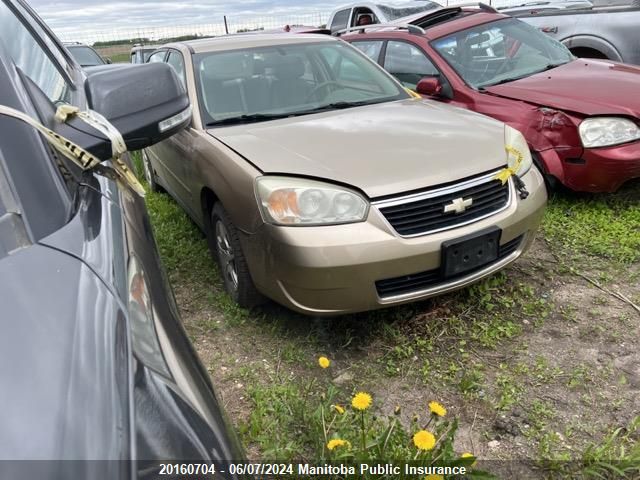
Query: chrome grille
(424,212)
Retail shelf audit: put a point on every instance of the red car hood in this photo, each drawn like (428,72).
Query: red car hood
(588,87)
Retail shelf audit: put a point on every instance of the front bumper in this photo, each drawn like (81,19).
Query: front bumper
(333,270)
(602,169)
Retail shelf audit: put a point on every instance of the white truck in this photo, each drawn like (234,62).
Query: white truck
(607,29)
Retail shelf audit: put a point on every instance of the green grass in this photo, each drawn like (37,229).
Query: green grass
(616,456)
(606,226)
(444,345)
(119,58)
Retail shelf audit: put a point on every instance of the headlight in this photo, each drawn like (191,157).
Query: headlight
(515,141)
(301,202)
(605,131)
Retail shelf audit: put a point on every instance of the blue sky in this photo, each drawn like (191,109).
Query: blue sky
(87,16)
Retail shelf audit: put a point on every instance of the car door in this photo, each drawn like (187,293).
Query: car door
(159,154)
(178,150)
(407,63)
(340,20)
(371,48)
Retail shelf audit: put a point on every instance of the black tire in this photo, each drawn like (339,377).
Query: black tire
(225,247)
(550,181)
(149,174)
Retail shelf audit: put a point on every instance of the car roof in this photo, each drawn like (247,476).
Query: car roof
(390,3)
(471,18)
(240,41)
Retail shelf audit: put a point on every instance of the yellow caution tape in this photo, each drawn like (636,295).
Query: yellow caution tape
(506,173)
(118,145)
(77,154)
(413,93)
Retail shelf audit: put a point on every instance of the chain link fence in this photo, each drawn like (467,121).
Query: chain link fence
(116,43)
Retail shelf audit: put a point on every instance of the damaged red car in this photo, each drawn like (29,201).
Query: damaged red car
(580,117)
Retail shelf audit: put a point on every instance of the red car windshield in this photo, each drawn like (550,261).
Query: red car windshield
(500,52)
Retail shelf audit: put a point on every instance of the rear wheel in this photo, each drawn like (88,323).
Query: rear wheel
(149,174)
(227,251)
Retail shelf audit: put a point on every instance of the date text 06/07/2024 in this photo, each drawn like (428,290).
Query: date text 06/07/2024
(286,469)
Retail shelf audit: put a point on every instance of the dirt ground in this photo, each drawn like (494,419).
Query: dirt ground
(567,373)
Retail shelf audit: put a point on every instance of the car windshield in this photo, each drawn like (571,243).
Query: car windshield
(394,12)
(500,52)
(86,56)
(264,83)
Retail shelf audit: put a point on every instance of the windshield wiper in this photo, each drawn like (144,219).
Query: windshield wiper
(263,117)
(254,117)
(336,106)
(550,66)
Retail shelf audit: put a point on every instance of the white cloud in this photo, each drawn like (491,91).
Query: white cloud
(85,19)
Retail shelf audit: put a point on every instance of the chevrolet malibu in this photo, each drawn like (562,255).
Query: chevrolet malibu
(324,185)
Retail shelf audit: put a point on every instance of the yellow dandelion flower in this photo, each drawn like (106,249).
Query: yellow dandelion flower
(339,409)
(467,455)
(437,409)
(337,442)
(424,440)
(434,476)
(361,401)
(324,362)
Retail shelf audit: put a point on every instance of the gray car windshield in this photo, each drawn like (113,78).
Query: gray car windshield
(269,82)
(394,12)
(501,52)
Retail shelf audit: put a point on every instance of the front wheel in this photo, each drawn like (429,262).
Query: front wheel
(227,251)
(550,181)
(149,174)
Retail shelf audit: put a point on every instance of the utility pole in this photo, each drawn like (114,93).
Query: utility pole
(226,27)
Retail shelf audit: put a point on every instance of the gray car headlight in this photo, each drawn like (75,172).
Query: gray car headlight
(302,202)
(518,154)
(607,131)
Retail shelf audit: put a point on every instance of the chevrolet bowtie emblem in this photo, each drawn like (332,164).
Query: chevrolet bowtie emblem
(458,205)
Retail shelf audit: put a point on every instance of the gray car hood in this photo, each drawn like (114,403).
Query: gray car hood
(381,149)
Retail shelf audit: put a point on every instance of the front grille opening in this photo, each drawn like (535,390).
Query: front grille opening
(422,216)
(431,278)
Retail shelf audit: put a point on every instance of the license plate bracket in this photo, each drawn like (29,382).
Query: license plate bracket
(470,252)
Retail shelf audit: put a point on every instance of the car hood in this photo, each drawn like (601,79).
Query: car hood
(588,87)
(61,396)
(381,149)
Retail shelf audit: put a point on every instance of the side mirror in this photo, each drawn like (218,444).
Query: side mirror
(108,60)
(429,86)
(146,103)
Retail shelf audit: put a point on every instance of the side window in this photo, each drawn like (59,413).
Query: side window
(340,20)
(28,55)
(370,48)
(176,61)
(157,57)
(347,71)
(408,63)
